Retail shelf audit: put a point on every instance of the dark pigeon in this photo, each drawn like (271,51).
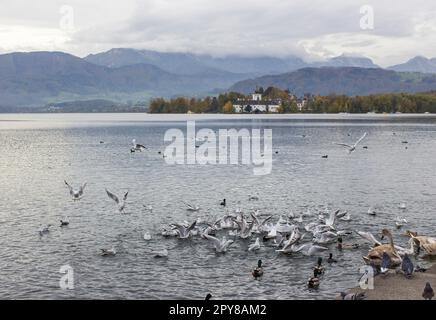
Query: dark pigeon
(428,293)
(407,266)
(386,263)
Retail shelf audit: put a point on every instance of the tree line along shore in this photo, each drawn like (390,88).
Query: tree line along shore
(379,103)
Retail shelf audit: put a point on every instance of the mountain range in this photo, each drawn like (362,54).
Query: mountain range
(40,78)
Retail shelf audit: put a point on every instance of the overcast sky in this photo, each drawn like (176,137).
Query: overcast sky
(313,30)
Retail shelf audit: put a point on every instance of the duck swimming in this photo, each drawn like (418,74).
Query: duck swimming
(223,203)
(319,268)
(330,259)
(258,272)
(313,282)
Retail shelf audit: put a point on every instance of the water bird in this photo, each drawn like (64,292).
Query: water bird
(428,293)
(222,245)
(258,272)
(375,255)
(402,206)
(44,229)
(148,207)
(76,194)
(340,245)
(191,207)
(161,254)
(252,197)
(108,252)
(208,297)
(223,203)
(184,232)
(137,146)
(428,244)
(407,266)
(353,296)
(325,156)
(369,237)
(319,267)
(399,222)
(371,211)
(255,246)
(64,222)
(147,236)
(352,148)
(331,259)
(121,203)
(313,282)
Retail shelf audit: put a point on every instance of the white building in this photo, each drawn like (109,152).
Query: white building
(256,104)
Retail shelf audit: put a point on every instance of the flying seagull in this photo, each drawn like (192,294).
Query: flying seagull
(351,148)
(121,203)
(76,194)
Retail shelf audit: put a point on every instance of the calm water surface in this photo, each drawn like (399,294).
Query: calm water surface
(39,151)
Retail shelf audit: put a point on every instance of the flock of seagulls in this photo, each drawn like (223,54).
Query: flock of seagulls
(309,234)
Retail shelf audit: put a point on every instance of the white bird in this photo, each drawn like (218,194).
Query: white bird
(295,236)
(371,211)
(147,236)
(402,206)
(299,219)
(351,148)
(121,203)
(76,194)
(161,254)
(183,231)
(314,250)
(220,245)
(347,217)
(137,146)
(148,207)
(292,249)
(108,252)
(399,222)
(191,207)
(44,229)
(255,246)
(330,221)
(369,237)
(340,214)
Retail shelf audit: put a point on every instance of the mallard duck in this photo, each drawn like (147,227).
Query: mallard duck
(341,246)
(330,258)
(223,203)
(423,242)
(258,272)
(208,297)
(319,268)
(375,255)
(313,282)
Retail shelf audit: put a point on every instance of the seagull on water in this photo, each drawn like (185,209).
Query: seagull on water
(161,254)
(352,148)
(220,245)
(108,252)
(44,229)
(76,194)
(182,231)
(121,203)
(191,207)
(255,246)
(137,146)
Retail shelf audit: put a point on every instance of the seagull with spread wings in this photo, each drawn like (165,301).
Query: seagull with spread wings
(352,148)
(120,202)
(76,194)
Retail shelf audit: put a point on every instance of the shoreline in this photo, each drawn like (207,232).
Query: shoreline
(395,286)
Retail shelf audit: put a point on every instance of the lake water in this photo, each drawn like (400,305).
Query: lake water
(39,151)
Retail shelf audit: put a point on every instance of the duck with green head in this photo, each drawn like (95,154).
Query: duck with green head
(258,272)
